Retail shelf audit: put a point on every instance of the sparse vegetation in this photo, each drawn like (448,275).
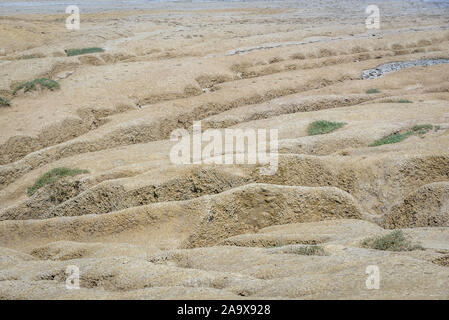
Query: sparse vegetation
(298,56)
(323,126)
(240,67)
(442,261)
(325,53)
(308,250)
(4,102)
(393,138)
(394,241)
(76,52)
(305,250)
(33,85)
(398,137)
(371,91)
(31,56)
(275,60)
(397,101)
(52,176)
(422,128)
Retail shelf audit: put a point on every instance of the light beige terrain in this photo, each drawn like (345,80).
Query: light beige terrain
(140,227)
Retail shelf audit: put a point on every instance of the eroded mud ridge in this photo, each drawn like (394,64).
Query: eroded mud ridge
(362,174)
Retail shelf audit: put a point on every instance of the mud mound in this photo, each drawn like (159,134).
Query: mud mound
(117,271)
(139,226)
(152,127)
(8,256)
(442,261)
(17,147)
(271,240)
(111,196)
(341,231)
(285,105)
(187,186)
(66,250)
(427,206)
(394,179)
(205,221)
(109,274)
(24,290)
(256,206)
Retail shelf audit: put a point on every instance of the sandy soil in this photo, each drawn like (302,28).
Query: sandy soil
(141,227)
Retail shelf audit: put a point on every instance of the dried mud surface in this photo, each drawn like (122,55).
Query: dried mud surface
(140,227)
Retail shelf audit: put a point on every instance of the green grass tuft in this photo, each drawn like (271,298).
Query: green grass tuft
(396,101)
(422,128)
(52,176)
(4,102)
(76,52)
(393,138)
(32,85)
(394,241)
(323,126)
(371,91)
(398,137)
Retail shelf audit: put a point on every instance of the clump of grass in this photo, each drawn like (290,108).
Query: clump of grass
(371,91)
(4,102)
(309,250)
(393,138)
(76,52)
(32,85)
(52,176)
(397,101)
(398,137)
(323,126)
(422,128)
(394,241)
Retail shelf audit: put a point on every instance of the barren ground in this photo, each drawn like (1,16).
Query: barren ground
(140,227)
